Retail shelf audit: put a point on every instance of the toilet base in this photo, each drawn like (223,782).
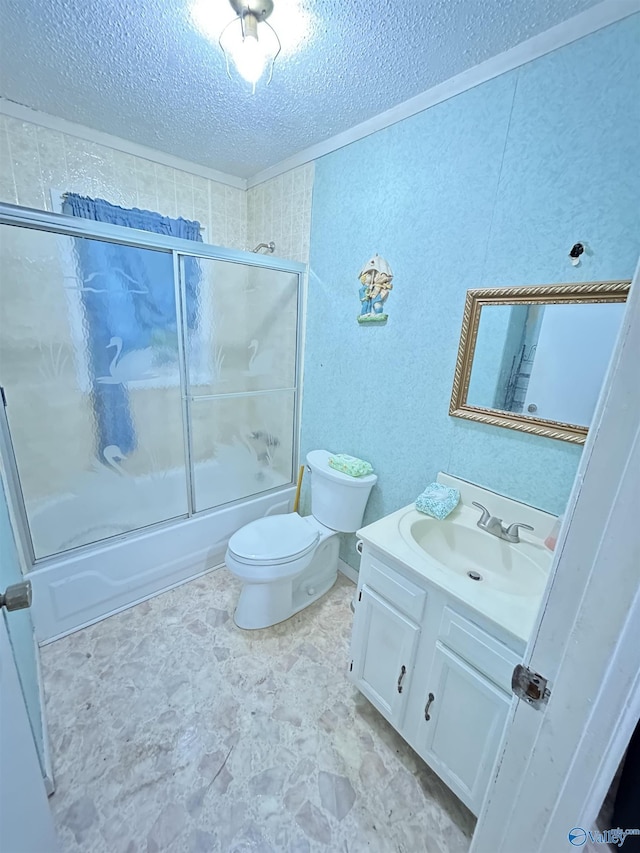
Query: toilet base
(262,605)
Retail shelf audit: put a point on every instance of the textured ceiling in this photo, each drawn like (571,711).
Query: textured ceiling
(143,70)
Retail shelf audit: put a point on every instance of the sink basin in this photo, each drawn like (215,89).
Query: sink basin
(480,557)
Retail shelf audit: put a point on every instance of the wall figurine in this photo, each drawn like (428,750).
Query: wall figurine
(375,284)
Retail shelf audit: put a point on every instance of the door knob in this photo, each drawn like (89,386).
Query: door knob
(17,596)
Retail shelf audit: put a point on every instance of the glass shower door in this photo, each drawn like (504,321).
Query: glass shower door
(89,367)
(241,355)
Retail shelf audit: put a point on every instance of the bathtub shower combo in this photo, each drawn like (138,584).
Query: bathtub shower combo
(150,389)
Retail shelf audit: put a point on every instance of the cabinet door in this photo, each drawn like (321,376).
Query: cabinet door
(466,717)
(383,649)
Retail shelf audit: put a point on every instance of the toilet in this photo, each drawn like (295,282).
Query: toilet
(286,562)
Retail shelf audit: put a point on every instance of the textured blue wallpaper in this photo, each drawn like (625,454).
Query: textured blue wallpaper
(490,188)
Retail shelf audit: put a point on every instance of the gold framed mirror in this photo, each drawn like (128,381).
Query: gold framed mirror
(534,358)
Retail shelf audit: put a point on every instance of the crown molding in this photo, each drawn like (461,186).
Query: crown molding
(22,113)
(596,18)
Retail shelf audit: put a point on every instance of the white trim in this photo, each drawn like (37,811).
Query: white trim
(593,19)
(22,113)
(27,822)
(47,769)
(348,571)
(622,718)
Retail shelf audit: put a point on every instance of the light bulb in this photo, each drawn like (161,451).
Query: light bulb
(249,59)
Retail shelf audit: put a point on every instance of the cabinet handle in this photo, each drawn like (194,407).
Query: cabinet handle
(400,677)
(427,716)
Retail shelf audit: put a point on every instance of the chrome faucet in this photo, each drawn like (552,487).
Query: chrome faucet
(495,527)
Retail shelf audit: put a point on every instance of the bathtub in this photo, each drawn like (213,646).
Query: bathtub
(79,587)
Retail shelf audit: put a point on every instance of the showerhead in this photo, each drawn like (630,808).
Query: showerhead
(270,247)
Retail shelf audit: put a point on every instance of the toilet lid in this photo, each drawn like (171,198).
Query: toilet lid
(274,539)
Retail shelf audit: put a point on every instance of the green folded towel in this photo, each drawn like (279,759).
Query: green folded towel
(350,465)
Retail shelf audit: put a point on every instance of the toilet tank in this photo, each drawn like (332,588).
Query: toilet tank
(337,500)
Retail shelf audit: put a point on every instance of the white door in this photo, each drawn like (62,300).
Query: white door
(25,820)
(572,354)
(383,650)
(26,825)
(556,763)
(466,715)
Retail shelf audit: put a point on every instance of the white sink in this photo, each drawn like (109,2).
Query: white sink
(483,559)
(450,554)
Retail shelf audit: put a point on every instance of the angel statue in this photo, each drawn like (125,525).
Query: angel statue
(375,280)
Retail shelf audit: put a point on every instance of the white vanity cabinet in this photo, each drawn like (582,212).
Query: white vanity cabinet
(437,671)
(385,638)
(466,717)
(386,645)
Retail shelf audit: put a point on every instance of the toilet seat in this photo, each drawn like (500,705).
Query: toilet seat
(273,540)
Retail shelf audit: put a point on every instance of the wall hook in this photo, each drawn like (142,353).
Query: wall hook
(574,255)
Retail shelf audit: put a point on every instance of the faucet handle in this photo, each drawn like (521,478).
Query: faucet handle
(486,515)
(512,529)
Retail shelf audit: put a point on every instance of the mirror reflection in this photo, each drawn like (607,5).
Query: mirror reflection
(543,361)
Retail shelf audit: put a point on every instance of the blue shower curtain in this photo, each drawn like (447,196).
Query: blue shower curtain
(129,306)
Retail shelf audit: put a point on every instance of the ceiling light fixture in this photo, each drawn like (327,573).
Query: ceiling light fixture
(249,40)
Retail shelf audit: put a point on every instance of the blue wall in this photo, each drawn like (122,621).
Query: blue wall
(488,189)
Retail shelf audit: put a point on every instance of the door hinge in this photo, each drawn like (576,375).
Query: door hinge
(530,686)
(4,397)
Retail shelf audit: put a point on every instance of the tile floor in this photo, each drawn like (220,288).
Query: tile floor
(173,730)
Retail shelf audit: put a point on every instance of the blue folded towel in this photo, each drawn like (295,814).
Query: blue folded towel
(438,500)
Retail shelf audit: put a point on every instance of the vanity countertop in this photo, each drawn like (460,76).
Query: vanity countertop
(514,610)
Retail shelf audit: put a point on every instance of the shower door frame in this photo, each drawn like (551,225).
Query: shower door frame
(70,226)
